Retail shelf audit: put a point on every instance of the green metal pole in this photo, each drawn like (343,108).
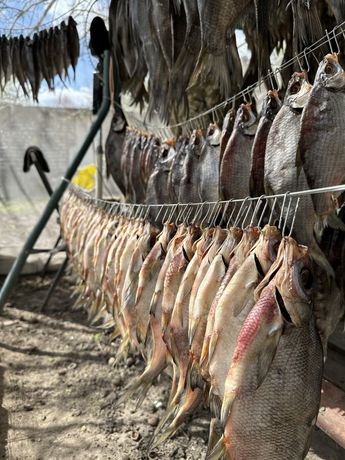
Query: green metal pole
(59,191)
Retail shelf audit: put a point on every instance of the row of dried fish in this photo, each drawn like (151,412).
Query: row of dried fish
(241,316)
(42,57)
(183,45)
(294,145)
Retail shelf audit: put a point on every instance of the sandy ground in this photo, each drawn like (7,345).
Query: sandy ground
(59,387)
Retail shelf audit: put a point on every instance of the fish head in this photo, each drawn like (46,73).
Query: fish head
(298,91)
(196,142)
(294,283)
(213,134)
(246,119)
(330,73)
(266,248)
(272,105)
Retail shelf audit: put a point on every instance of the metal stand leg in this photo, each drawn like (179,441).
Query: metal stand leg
(56,279)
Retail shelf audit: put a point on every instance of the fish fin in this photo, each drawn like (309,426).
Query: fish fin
(328,220)
(215,404)
(195,377)
(218,451)
(192,329)
(212,345)
(170,431)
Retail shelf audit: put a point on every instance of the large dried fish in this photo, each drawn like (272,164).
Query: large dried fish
(270,109)
(322,128)
(268,360)
(235,166)
(73,42)
(209,165)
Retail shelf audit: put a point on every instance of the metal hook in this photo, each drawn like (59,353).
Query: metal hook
(299,63)
(256,210)
(282,209)
(181,212)
(306,59)
(329,41)
(223,212)
(147,212)
(336,40)
(187,216)
(263,211)
(216,208)
(167,217)
(294,215)
(246,215)
(197,213)
(272,210)
(239,212)
(206,215)
(286,216)
(232,213)
(270,79)
(159,212)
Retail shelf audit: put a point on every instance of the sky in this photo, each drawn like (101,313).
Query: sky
(22,15)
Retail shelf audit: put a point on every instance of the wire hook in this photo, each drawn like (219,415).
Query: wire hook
(294,215)
(286,216)
(329,41)
(336,40)
(270,79)
(239,212)
(282,210)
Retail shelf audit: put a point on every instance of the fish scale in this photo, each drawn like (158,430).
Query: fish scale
(270,424)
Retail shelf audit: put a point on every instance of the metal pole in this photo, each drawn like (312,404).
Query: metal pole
(99,166)
(59,191)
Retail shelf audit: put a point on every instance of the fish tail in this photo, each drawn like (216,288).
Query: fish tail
(218,451)
(191,401)
(140,384)
(212,345)
(215,403)
(169,412)
(217,66)
(195,377)
(214,435)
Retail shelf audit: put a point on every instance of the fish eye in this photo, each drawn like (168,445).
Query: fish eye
(273,103)
(245,116)
(329,69)
(306,278)
(211,131)
(295,87)
(196,140)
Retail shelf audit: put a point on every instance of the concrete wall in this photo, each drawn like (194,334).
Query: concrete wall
(58,133)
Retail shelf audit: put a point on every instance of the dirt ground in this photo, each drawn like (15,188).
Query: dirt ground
(59,387)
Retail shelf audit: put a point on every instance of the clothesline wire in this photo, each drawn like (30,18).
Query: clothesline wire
(81,193)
